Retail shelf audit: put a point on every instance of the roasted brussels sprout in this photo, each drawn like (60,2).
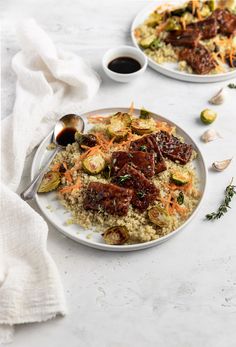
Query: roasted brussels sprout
(144,114)
(180,178)
(88,140)
(50,181)
(116,235)
(157,43)
(172,24)
(93,164)
(143,126)
(211,4)
(119,124)
(187,17)
(205,10)
(179,11)
(154,19)
(159,216)
(145,43)
(208,116)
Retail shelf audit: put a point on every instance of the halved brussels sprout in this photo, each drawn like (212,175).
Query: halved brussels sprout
(50,181)
(159,216)
(211,4)
(206,10)
(172,24)
(143,126)
(144,114)
(147,41)
(180,178)
(93,164)
(119,124)
(116,235)
(154,19)
(179,11)
(88,140)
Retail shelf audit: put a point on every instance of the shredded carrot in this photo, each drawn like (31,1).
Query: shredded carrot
(137,33)
(56,167)
(96,119)
(231,57)
(165,127)
(161,28)
(131,109)
(199,16)
(183,22)
(77,185)
(68,176)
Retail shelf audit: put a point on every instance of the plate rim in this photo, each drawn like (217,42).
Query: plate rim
(132,247)
(178,75)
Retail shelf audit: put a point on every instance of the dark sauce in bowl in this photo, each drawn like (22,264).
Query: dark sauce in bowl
(124,65)
(66,136)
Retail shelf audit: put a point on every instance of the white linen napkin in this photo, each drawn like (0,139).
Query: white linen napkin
(50,83)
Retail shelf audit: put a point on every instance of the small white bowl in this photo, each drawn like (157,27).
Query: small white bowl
(124,51)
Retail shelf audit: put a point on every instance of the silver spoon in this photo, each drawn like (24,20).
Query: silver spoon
(67,121)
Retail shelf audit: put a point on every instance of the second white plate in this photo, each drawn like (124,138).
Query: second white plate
(170,69)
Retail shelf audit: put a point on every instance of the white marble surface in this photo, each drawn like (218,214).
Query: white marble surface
(180,294)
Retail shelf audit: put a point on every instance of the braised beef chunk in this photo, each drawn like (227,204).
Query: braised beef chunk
(185,38)
(226,21)
(108,198)
(198,58)
(145,191)
(172,148)
(143,161)
(149,143)
(207,28)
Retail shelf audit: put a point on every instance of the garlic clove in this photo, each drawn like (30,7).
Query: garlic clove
(221,165)
(218,98)
(210,135)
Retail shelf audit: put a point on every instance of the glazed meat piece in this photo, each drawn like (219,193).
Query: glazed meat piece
(145,191)
(207,28)
(226,21)
(149,143)
(185,38)
(108,198)
(142,161)
(198,58)
(172,148)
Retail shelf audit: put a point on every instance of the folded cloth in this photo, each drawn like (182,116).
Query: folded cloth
(50,83)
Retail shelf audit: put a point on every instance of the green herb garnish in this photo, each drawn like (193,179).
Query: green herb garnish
(232,86)
(180,198)
(230,191)
(124,178)
(143,148)
(141,194)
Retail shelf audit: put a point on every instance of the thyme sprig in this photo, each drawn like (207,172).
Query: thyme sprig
(230,191)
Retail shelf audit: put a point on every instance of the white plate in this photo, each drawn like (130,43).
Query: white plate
(170,69)
(56,214)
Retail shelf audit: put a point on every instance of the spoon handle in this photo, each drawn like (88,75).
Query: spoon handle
(31,190)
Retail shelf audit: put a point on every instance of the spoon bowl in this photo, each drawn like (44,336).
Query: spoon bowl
(63,135)
(69,121)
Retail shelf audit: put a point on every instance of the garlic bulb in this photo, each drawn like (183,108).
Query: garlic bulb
(221,165)
(210,135)
(218,98)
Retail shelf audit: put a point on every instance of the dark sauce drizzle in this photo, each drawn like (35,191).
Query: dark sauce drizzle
(66,136)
